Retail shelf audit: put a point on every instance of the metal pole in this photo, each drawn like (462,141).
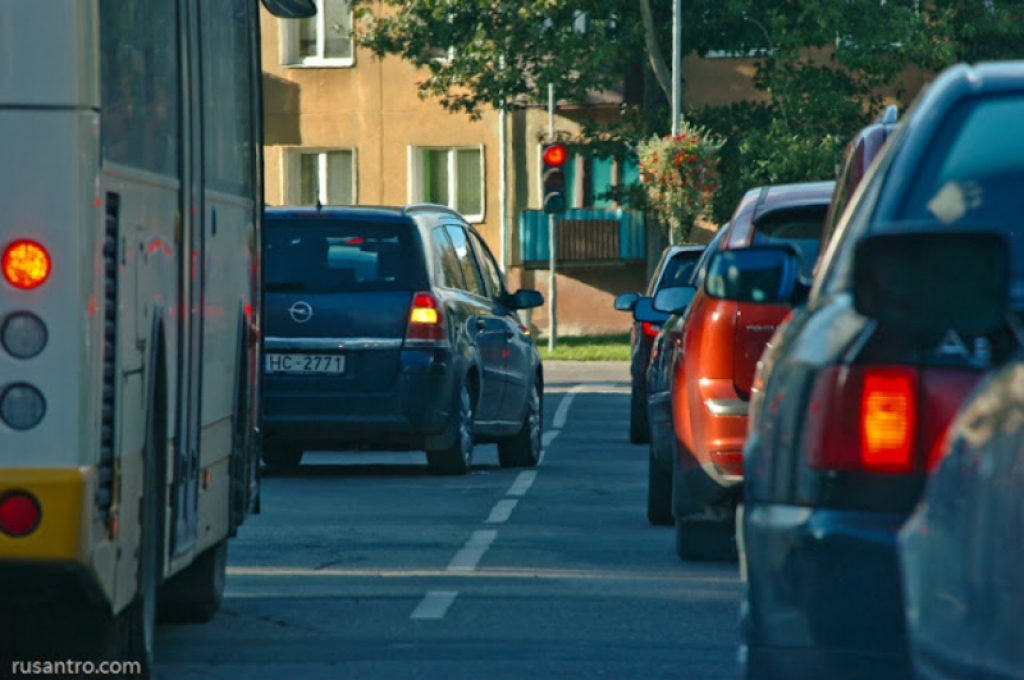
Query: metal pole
(552,242)
(502,190)
(677,43)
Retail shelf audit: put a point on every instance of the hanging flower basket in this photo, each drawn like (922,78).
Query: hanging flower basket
(681,177)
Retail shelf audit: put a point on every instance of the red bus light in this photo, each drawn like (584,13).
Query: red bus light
(19,514)
(26,264)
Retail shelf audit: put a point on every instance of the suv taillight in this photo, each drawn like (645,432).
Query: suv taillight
(426,322)
(863,418)
(649,329)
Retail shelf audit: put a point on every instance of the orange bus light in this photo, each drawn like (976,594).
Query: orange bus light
(26,264)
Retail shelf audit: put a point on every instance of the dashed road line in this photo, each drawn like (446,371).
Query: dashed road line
(502,511)
(434,605)
(522,484)
(467,558)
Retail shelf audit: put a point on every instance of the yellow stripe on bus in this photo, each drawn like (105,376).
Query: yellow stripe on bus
(60,494)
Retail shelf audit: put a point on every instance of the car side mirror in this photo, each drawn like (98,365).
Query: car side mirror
(527,298)
(930,282)
(674,299)
(761,274)
(626,302)
(644,312)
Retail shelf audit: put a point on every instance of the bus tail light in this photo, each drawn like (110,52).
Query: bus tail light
(22,406)
(26,264)
(19,514)
(426,322)
(23,335)
(863,419)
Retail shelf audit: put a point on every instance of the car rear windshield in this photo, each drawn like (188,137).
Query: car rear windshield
(974,175)
(799,227)
(679,269)
(341,257)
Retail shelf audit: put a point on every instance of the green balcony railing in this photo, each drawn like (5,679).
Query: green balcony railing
(583,236)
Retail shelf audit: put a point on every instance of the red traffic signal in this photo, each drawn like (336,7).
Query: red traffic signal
(555,155)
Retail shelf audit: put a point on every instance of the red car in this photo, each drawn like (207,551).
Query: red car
(714,353)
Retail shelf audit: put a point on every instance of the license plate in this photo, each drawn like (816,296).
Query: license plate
(305,364)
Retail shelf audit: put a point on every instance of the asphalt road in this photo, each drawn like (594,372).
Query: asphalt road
(365,566)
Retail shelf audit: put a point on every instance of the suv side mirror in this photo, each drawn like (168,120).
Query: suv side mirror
(644,311)
(674,299)
(526,298)
(762,274)
(626,302)
(930,282)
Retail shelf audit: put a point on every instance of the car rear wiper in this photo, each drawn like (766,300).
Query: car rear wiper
(283,286)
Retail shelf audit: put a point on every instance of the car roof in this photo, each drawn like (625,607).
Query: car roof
(376,213)
(793,195)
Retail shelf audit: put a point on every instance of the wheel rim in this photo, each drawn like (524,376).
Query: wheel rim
(466,427)
(535,422)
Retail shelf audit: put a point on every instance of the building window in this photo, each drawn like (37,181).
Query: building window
(588,180)
(327,177)
(452,177)
(322,40)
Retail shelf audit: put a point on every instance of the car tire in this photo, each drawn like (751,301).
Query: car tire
(523,449)
(639,426)
(195,594)
(282,458)
(659,492)
(457,457)
(701,540)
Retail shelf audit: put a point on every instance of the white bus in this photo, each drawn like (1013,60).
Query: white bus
(130,227)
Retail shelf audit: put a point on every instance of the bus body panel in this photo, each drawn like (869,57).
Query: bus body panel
(42,46)
(54,203)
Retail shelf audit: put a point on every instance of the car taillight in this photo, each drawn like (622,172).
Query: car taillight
(863,419)
(426,323)
(649,329)
(26,264)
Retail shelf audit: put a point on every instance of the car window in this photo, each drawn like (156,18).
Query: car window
(679,269)
(467,260)
(495,281)
(975,178)
(697,279)
(798,227)
(341,257)
(447,271)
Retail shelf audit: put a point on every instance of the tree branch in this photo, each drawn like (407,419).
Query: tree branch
(662,73)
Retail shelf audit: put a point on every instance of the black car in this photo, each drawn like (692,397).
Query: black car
(393,329)
(674,268)
(854,392)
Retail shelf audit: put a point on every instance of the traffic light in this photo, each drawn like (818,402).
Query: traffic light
(555,157)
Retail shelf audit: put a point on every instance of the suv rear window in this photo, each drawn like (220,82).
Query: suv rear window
(679,269)
(341,257)
(974,173)
(798,227)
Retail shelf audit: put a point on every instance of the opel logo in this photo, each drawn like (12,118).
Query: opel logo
(301,312)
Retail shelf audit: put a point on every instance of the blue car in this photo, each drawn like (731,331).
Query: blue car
(393,329)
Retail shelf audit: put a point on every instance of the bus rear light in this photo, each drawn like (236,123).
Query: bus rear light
(26,264)
(19,514)
(22,406)
(23,335)
(863,419)
(426,323)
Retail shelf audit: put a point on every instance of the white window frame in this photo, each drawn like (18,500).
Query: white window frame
(293,173)
(416,194)
(289,43)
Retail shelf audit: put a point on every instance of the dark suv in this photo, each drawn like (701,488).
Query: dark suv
(392,328)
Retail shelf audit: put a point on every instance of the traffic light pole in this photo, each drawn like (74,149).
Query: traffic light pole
(552,242)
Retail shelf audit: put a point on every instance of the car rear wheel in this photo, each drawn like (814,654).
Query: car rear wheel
(523,449)
(659,492)
(282,458)
(639,427)
(457,457)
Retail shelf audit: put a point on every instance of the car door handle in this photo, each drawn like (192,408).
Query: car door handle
(481,324)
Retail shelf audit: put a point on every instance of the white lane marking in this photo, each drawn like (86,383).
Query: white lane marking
(467,558)
(522,483)
(562,412)
(545,442)
(434,605)
(502,511)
